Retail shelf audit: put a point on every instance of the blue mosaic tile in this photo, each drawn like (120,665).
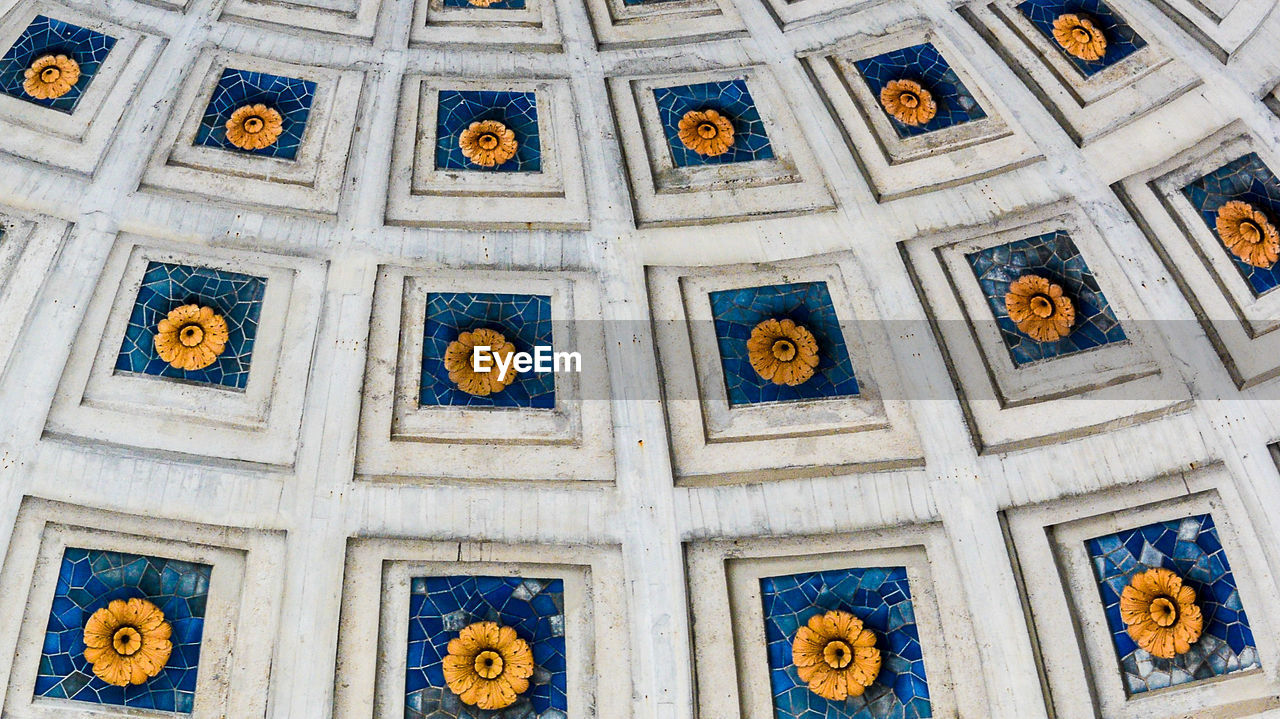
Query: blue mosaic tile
(1189,547)
(730,98)
(737,312)
(47,36)
(881,598)
(289,96)
(499,5)
(237,297)
(925,65)
(517,110)
(1055,257)
(1122,40)
(90,580)
(1247,179)
(439,607)
(525,320)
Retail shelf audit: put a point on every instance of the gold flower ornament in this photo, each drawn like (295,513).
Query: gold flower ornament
(908,102)
(254,127)
(1248,234)
(1160,613)
(836,655)
(783,352)
(488,143)
(460,360)
(191,337)
(127,642)
(1039,308)
(488,666)
(51,77)
(706,132)
(1079,36)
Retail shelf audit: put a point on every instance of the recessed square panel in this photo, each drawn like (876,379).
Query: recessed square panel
(486,4)
(1149,596)
(458,109)
(747,161)
(732,100)
(49,36)
(1178,203)
(621,24)
(119,390)
(445,174)
(441,607)
(1054,257)
(551,420)
(1118,101)
(132,615)
(1246,179)
(524,320)
(902,149)
(1191,549)
(406,601)
(925,65)
(520,25)
(807,304)
(815,326)
(299,170)
(289,96)
(1121,39)
(880,597)
(1016,389)
(89,581)
(165,287)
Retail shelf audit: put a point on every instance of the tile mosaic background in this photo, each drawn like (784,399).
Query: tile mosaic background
(439,607)
(48,36)
(500,5)
(1191,548)
(730,98)
(1055,257)
(88,581)
(881,598)
(737,312)
(925,65)
(517,110)
(1122,40)
(237,297)
(525,320)
(1249,180)
(289,96)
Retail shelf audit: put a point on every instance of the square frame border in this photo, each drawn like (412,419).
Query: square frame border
(259,424)
(790,183)
(419,195)
(1073,643)
(77,141)
(397,438)
(241,622)
(311,184)
(1009,407)
(375,624)
(727,615)
(1240,327)
(709,438)
(1126,92)
(897,167)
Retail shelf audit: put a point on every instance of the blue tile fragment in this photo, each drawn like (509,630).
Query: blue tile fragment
(89,580)
(1189,547)
(881,598)
(441,606)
